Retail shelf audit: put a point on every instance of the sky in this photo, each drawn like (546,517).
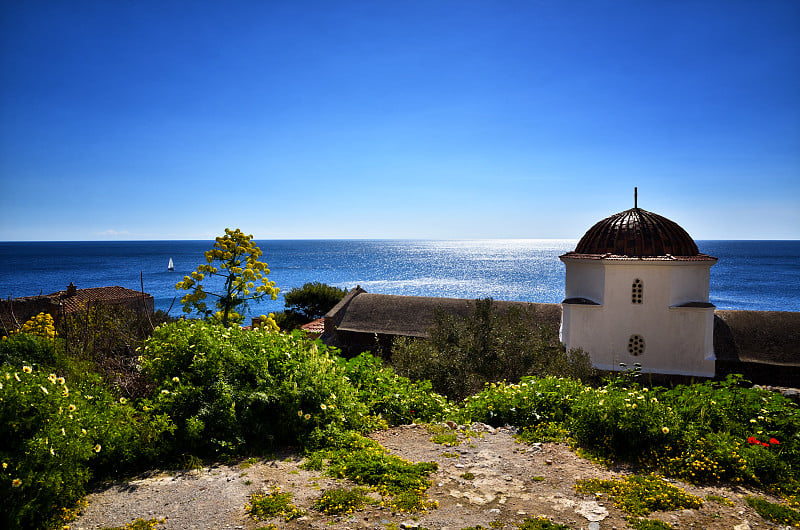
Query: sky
(379,119)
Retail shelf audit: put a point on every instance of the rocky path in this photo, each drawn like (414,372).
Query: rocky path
(488,480)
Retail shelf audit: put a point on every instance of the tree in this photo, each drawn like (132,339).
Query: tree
(462,353)
(313,300)
(244,279)
(307,303)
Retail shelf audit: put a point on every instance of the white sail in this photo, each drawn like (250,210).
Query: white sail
(170,266)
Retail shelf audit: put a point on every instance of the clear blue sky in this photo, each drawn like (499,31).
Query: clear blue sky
(397,119)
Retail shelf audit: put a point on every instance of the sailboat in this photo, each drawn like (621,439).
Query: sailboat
(171,266)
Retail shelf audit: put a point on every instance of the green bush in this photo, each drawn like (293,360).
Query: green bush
(56,436)
(641,494)
(463,353)
(777,513)
(532,401)
(27,349)
(622,422)
(339,501)
(397,399)
(228,388)
(273,504)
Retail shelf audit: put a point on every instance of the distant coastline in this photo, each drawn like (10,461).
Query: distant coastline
(759,275)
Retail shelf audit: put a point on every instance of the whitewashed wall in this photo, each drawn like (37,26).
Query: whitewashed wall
(678,340)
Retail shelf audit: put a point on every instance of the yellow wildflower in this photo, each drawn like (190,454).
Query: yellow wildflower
(27,369)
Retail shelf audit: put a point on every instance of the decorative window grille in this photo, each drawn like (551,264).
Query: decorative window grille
(636,291)
(636,345)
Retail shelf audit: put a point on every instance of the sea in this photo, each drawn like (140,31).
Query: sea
(753,275)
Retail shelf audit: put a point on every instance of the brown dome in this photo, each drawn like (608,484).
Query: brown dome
(637,233)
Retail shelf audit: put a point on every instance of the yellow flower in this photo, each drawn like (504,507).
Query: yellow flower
(44,389)
(300,413)
(5,465)
(72,408)
(97,448)
(27,369)
(16,483)
(307,416)
(323,406)
(60,381)
(122,400)
(175,379)
(665,430)
(165,391)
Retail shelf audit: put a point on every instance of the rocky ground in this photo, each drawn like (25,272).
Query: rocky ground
(511,481)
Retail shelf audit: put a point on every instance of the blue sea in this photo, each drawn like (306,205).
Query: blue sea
(756,275)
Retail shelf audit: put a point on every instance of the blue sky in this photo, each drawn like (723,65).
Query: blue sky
(397,119)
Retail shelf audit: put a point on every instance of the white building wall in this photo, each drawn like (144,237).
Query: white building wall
(677,340)
(690,283)
(586,280)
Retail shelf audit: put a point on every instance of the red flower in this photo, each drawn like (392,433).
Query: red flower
(765,444)
(773,441)
(753,440)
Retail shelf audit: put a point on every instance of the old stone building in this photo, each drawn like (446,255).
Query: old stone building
(14,312)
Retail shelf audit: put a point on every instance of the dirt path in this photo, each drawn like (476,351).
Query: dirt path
(509,482)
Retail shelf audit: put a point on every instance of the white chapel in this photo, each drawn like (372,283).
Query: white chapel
(637,292)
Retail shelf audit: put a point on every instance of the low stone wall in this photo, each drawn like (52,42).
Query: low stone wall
(14,313)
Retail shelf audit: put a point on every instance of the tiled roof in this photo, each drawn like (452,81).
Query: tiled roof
(615,257)
(315,326)
(83,297)
(637,233)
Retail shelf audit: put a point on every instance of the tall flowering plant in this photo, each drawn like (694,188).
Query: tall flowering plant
(234,260)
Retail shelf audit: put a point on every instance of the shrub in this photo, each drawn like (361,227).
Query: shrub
(641,494)
(548,431)
(532,401)
(226,387)
(56,436)
(622,422)
(27,349)
(273,504)
(491,345)
(397,399)
(777,513)
(341,501)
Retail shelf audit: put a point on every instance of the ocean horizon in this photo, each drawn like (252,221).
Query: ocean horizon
(750,274)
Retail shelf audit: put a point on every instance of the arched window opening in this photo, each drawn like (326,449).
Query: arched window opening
(637,291)
(636,345)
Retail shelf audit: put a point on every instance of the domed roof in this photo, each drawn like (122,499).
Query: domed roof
(637,233)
